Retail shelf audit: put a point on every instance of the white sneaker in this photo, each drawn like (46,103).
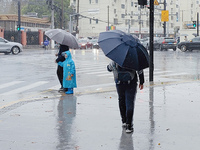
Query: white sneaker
(129,128)
(123,125)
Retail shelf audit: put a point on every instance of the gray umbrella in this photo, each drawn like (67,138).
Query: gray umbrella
(62,37)
(184,34)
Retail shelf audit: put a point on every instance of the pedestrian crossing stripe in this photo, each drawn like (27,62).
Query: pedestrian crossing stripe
(99,75)
(5,85)
(25,88)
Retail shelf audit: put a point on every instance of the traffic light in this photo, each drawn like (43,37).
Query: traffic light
(142,2)
(18,27)
(163,25)
(194,24)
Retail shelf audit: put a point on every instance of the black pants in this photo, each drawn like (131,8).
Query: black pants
(60,75)
(126,95)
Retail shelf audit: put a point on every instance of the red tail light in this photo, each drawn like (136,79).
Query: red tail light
(163,42)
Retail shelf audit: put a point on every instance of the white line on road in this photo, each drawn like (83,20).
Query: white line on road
(98,72)
(176,74)
(10,84)
(104,75)
(25,88)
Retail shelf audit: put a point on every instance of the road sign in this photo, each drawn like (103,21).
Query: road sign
(165,15)
(156,2)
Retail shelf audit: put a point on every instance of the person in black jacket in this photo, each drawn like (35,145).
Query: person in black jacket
(61,58)
(126,85)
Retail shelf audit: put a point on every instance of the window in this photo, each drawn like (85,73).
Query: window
(122,15)
(196,39)
(96,1)
(147,23)
(127,22)
(132,21)
(97,21)
(172,25)
(1,40)
(90,21)
(90,1)
(131,13)
(176,16)
(115,11)
(122,6)
(132,4)
(115,21)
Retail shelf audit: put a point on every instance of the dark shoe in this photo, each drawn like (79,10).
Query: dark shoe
(129,128)
(65,89)
(61,89)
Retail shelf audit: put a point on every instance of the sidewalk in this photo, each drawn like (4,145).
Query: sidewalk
(167,117)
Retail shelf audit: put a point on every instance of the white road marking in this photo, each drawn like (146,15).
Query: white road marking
(25,88)
(10,84)
(98,72)
(176,74)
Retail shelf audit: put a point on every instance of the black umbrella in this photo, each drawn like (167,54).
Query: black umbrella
(125,49)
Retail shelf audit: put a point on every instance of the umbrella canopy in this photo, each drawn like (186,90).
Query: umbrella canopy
(124,49)
(62,37)
(184,34)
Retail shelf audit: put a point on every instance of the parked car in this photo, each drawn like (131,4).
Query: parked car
(84,44)
(190,45)
(145,42)
(95,43)
(165,43)
(7,47)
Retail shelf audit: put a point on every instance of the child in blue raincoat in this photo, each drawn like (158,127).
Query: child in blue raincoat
(69,72)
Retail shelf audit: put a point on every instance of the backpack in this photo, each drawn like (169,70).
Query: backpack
(124,75)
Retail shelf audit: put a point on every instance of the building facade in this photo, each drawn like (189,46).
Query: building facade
(127,15)
(9,23)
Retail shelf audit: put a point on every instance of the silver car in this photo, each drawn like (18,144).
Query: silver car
(7,47)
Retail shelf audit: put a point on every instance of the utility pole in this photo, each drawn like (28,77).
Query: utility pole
(165,5)
(52,16)
(52,23)
(129,26)
(151,31)
(19,22)
(197,24)
(108,18)
(140,23)
(77,19)
(62,15)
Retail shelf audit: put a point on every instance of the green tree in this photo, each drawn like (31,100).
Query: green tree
(33,6)
(43,8)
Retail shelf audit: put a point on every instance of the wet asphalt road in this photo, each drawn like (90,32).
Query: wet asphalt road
(33,115)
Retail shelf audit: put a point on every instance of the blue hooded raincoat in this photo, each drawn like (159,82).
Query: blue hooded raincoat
(68,69)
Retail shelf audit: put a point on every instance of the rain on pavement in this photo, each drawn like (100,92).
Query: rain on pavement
(33,115)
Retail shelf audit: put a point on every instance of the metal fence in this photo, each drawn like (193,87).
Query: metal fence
(11,36)
(32,38)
